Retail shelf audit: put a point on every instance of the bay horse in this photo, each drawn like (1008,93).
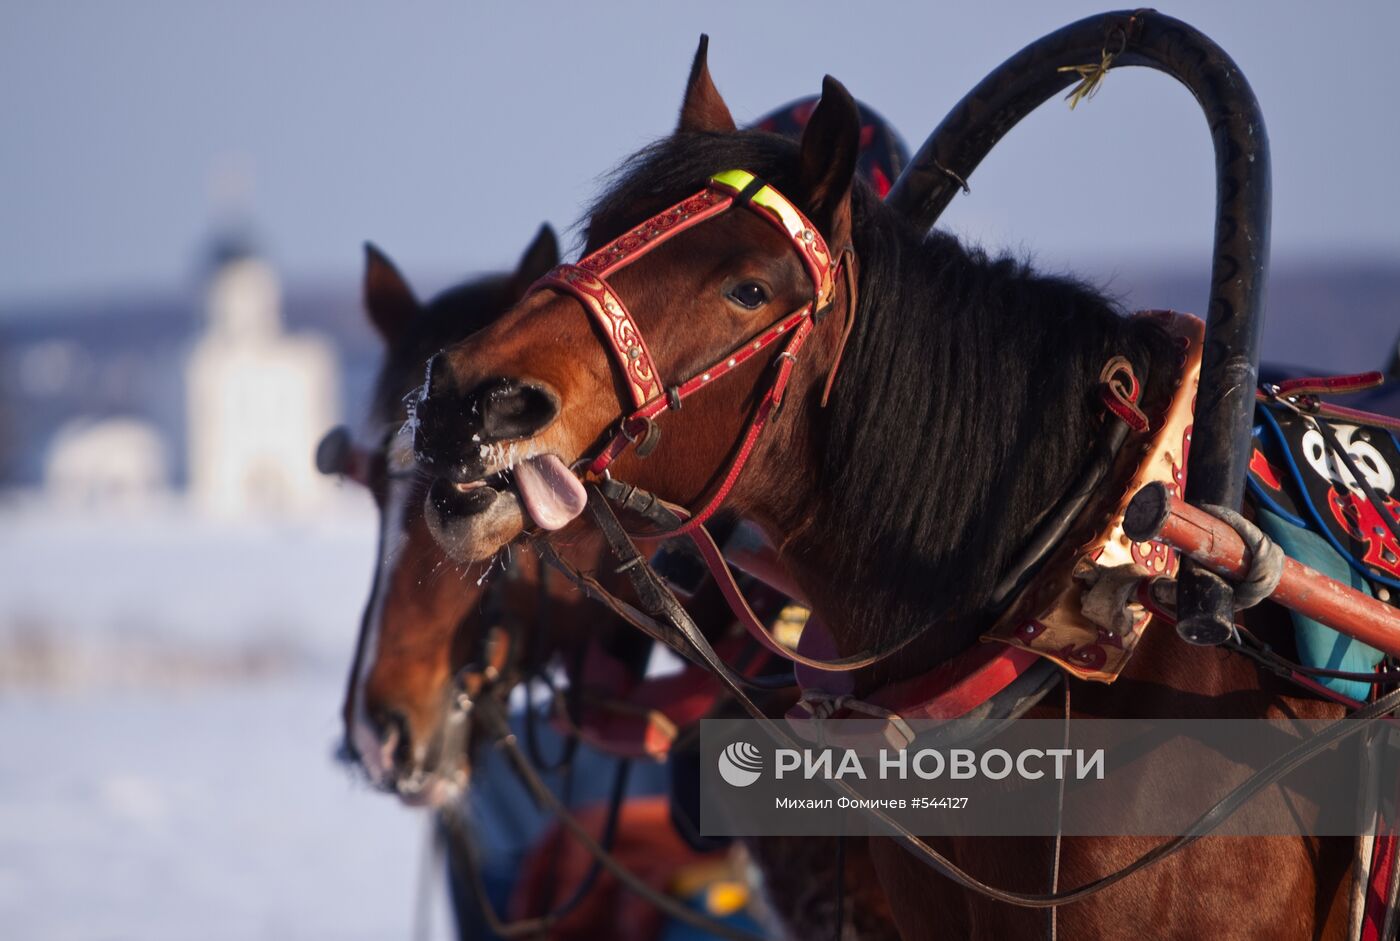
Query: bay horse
(899,487)
(428,614)
(401,682)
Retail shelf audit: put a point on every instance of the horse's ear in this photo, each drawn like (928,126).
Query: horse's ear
(830,146)
(389,300)
(703,108)
(538,260)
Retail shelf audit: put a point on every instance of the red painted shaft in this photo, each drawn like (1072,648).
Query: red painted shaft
(1155,514)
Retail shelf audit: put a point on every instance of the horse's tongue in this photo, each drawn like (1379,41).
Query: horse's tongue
(552,494)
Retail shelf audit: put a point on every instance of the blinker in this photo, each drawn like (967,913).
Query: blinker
(333,451)
(337,455)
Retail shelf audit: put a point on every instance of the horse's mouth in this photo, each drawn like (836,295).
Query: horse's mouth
(534,488)
(436,785)
(431,789)
(498,482)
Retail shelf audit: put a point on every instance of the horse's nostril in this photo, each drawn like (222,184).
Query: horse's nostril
(511,408)
(439,377)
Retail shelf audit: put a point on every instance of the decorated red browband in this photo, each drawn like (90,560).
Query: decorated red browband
(587,281)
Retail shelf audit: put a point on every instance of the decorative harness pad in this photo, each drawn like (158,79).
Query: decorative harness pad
(1047,618)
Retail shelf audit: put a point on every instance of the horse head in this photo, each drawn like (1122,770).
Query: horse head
(426,615)
(756,232)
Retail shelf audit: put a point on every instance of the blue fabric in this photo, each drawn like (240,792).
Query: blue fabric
(680,931)
(1315,524)
(1320,646)
(506,821)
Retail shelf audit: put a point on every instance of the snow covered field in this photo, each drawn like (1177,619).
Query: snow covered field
(169,695)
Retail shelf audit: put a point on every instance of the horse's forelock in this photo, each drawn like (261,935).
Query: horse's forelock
(675,167)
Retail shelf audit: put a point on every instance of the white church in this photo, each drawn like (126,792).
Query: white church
(257,399)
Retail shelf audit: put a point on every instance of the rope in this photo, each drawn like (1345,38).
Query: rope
(1091,77)
(1265,562)
(821,706)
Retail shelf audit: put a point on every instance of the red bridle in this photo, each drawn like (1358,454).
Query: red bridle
(650,395)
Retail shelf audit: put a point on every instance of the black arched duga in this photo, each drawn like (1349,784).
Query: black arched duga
(1239,268)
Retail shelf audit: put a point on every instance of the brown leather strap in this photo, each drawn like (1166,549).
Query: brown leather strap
(848,271)
(724,578)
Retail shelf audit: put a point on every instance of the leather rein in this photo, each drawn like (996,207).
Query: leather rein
(661,603)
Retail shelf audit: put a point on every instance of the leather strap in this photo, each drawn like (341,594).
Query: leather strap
(1356,416)
(724,578)
(631,427)
(625,343)
(659,628)
(1309,402)
(1331,385)
(644,503)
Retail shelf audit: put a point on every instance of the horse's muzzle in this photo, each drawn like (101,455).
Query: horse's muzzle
(453,427)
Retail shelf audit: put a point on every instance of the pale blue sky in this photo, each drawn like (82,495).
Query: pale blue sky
(447,132)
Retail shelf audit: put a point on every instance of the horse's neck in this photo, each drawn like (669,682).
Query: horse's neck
(870,602)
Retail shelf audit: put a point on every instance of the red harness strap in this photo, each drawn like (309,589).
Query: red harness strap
(971,678)
(1308,393)
(650,396)
(1381,887)
(587,281)
(797,326)
(1331,385)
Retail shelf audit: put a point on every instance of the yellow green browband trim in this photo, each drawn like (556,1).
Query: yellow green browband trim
(767,197)
(810,243)
(734,179)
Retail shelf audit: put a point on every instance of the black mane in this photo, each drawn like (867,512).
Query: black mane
(964,407)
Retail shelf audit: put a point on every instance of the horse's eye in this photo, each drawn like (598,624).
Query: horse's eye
(750,294)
